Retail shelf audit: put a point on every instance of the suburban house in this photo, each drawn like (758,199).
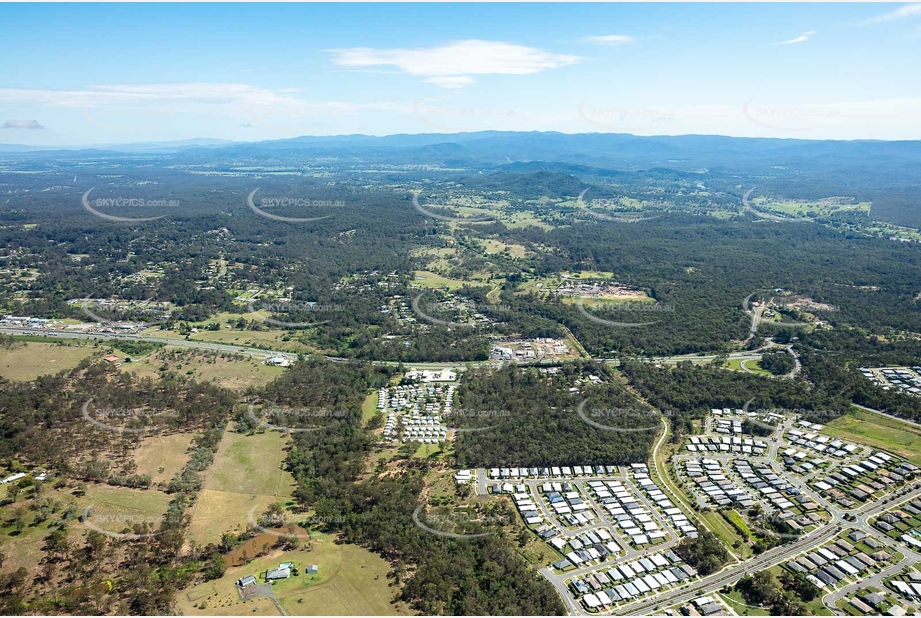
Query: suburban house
(281,572)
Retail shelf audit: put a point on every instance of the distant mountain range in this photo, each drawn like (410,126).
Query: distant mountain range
(497,148)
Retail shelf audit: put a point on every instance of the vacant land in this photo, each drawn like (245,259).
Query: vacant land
(236,372)
(112,509)
(162,456)
(879,432)
(266,339)
(350,581)
(27,361)
(251,465)
(819,208)
(245,478)
(515,251)
(434,280)
(369,407)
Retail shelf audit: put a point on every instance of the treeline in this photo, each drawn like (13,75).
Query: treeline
(526,417)
(440,575)
(706,553)
(785,595)
(139,568)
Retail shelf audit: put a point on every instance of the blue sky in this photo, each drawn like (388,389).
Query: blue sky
(109,73)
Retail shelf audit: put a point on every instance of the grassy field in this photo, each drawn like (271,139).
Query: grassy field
(162,456)
(735,601)
(233,372)
(369,407)
(251,465)
(722,528)
(350,581)
(246,474)
(801,208)
(268,339)
(432,280)
(113,508)
(751,366)
(27,361)
(880,432)
(525,219)
(515,251)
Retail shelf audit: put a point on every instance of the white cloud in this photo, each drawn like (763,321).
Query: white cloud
(91,96)
(22,124)
(610,39)
(451,81)
(800,39)
(452,65)
(181,95)
(903,12)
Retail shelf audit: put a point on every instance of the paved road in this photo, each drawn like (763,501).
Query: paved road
(876,580)
(730,575)
(895,418)
(205,345)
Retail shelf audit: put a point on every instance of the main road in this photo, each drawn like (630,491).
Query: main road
(732,574)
